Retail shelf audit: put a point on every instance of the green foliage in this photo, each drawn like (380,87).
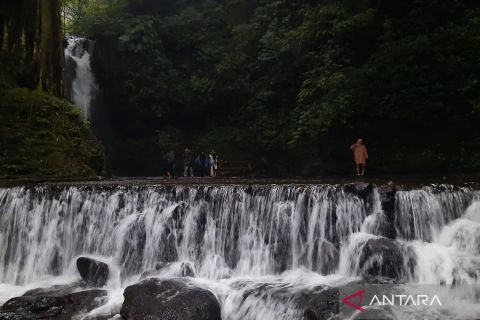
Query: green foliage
(44,136)
(290,84)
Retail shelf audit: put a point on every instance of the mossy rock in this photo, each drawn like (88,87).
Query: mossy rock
(41,135)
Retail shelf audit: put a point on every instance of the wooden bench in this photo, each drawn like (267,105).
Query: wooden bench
(234,169)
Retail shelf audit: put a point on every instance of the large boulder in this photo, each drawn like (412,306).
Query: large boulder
(94,272)
(53,307)
(172,299)
(382,257)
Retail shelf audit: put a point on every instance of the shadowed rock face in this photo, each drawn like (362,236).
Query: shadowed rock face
(171,299)
(52,307)
(94,272)
(382,257)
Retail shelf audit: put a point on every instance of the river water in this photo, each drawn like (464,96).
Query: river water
(273,240)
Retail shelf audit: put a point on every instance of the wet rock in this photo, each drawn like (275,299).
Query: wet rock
(32,307)
(388,194)
(381,225)
(83,301)
(387,197)
(53,307)
(296,303)
(325,257)
(169,299)
(58,290)
(187,270)
(184,270)
(361,189)
(382,257)
(133,248)
(94,272)
(319,304)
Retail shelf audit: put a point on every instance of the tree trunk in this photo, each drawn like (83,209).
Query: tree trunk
(31,40)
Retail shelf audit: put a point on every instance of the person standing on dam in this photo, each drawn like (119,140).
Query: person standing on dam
(360,156)
(188,163)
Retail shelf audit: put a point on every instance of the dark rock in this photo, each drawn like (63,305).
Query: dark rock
(94,272)
(56,263)
(361,189)
(325,257)
(319,304)
(58,290)
(133,248)
(185,270)
(34,307)
(382,226)
(169,299)
(53,307)
(387,197)
(316,303)
(382,257)
(83,301)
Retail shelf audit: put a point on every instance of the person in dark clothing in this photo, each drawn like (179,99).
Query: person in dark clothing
(188,163)
(203,165)
(169,159)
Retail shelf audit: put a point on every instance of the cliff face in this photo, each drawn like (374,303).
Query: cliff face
(31,47)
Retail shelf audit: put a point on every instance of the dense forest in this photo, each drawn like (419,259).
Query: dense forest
(287,84)
(291,84)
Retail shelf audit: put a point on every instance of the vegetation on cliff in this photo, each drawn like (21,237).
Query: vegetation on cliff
(45,136)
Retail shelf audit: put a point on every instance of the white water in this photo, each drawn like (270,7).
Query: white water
(256,248)
(84,86)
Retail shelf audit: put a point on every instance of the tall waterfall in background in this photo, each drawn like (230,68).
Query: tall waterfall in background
(258,248)
(83,85)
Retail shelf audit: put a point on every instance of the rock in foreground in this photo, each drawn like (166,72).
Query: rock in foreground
(53,307)
(171,299)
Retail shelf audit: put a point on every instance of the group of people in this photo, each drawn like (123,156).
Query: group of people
(206,165)
(194,165)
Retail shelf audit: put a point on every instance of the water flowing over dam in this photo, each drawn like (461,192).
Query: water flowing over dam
(257,248)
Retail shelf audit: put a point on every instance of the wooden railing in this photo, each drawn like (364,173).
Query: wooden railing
(234,169)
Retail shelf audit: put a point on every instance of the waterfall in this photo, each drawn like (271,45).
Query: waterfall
(274,240)
(83,85)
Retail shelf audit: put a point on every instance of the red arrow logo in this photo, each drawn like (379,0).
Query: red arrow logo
(358,294)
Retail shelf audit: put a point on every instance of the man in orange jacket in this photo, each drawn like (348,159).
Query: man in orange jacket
(360,156)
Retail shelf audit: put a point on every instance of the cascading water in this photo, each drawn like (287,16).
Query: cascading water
(83,85)
(258,248)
